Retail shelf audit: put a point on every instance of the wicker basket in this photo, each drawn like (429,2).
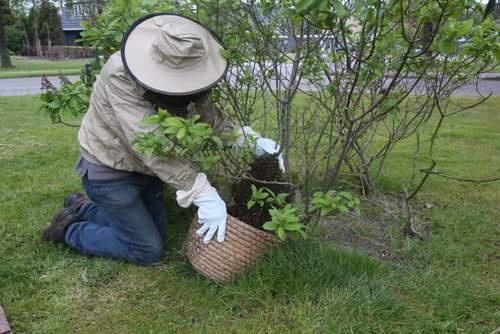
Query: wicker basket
(222,262)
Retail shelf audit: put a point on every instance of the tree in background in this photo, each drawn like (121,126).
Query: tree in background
(6,18)
(19,7)
(16,31)
(496,11)
(491,8)
(16,35)
(43,26)
(49,25)
(32,24)
(32,30)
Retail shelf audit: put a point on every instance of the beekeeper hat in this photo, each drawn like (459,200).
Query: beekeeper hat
(171,54)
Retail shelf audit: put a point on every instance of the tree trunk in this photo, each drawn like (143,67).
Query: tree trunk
(286,116)
(4,51)
(49,45)
(36,35)
(26,44)
(490,8)
(38,45)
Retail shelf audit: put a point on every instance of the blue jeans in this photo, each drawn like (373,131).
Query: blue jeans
(125,220)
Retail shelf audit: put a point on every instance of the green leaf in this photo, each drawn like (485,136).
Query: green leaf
(302,233)
(343,209)
(171,131)
(199,128)
(280,232)
(281,198)
(54,105)
(293,226)
(346,194)
(250,204)
(467,26)
(305,5)
(217,141)
(151,120)
(269,226)
(118,37)
(175,122)
(181,133)
(340,9)
(324,212)
(149,151)
(446,46)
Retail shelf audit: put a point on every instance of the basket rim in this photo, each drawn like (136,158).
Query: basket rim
(245,225)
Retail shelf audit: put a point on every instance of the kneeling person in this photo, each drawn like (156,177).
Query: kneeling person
(166,61)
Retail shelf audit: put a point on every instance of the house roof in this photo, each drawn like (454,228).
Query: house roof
(71,22)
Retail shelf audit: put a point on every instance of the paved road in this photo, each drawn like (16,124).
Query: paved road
(484,87)
(31,86)
(27,86)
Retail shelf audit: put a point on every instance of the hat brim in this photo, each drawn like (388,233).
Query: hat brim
(151,75)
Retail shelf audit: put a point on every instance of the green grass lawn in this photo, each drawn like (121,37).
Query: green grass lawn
(31,67)
(446,284)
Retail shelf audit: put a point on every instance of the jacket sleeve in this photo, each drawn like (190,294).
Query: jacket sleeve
(130,108)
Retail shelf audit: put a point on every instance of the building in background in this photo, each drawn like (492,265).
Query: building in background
(71,17)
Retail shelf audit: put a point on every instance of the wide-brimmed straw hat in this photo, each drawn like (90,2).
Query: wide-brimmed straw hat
(171,54)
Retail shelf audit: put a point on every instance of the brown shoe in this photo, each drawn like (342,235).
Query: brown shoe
(59,226)
(75,201)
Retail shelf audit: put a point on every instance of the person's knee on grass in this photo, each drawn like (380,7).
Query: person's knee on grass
(147,255)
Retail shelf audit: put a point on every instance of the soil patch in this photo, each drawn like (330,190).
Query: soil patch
(374,233)
(265,168)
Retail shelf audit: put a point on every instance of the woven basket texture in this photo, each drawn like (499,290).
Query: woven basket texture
(222,262)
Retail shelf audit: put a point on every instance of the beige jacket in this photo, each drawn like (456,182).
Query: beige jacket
(112,122)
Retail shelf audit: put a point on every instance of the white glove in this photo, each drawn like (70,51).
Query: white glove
(263,146)
(212,213)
